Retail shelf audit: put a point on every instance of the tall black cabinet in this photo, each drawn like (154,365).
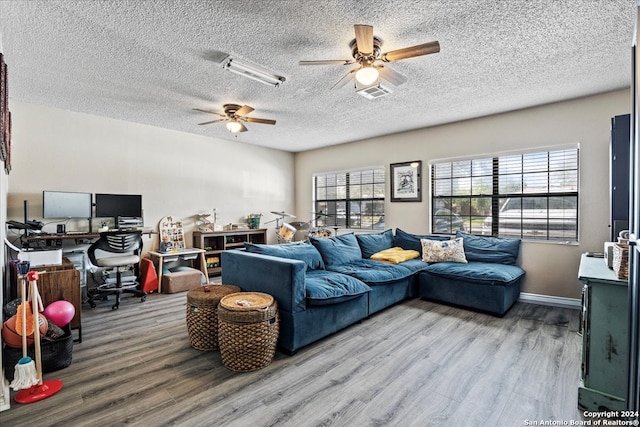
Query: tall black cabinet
(619,175)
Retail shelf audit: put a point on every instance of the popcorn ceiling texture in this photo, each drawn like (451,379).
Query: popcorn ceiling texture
(153,62)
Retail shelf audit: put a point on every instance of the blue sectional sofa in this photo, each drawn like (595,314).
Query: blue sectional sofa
(325,285)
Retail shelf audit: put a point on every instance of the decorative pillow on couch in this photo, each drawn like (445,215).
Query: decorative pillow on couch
(301,251)
(374,243)
(443,251)
(338,250)
(412,241)
(490,249)
(395,255)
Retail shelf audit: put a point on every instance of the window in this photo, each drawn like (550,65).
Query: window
(353,199)
(527,195)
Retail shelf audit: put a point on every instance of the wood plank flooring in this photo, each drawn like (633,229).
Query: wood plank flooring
(415,364)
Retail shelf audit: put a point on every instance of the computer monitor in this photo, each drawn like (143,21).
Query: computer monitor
(118,205)
(65,204)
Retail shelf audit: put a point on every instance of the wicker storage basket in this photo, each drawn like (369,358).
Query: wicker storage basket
(248,327)
(202,319)
(621,260)
(56,354)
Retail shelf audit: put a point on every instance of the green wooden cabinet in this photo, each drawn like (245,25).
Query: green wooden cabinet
(604,337)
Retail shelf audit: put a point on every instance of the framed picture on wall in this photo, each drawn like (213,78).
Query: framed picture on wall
(405,181)
(3,109)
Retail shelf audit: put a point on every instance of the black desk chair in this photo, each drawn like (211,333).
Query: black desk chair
(126,243)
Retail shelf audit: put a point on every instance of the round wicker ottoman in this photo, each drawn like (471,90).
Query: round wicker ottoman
(202,318)
(248,326)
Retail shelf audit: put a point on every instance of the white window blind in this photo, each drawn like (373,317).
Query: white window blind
(350,199)
(529,195)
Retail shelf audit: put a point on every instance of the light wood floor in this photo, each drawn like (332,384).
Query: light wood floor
(415,364)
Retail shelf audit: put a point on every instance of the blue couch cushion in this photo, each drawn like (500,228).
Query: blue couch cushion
(414,265)
(490,249)
(477,272)
(373,272)
(338,250)
(327,287)
(374,243)
(412,241)
(302,251)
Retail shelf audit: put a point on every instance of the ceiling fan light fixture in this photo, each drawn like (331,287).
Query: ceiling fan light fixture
(234,126)
(367,75)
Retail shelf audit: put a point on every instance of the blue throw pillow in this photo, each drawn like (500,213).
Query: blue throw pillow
(301,251)
(490,249)
(374,243)
(412,241)
(338,250)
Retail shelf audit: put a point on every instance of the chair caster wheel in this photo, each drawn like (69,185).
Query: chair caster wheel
(92,304)
(115,307)
(143,299)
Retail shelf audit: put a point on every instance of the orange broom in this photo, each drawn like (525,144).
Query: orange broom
(25,371)
(42,389)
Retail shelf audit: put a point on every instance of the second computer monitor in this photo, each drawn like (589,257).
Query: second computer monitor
(118,205)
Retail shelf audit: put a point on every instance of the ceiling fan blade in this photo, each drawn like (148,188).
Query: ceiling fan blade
(212,121)
(392,76)
(364,38)
(256,120)
(344,80)
(244,110)
(327,62)
(243,128)
(410,52)
(210,112)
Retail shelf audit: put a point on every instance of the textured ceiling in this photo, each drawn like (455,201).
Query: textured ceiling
(152,62)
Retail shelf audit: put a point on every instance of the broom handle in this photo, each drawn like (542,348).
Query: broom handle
(35,298)
(23,290)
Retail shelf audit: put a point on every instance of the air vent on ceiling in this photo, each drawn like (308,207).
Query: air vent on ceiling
(373,92)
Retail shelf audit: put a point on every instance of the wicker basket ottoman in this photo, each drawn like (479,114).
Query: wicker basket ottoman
(621,260)
(202,318)
(248,327)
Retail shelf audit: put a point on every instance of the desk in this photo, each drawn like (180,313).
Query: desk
(56,239)
(604,337)
(163,257)
(50,238)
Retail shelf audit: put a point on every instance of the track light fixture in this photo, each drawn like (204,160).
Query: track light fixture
(253,72)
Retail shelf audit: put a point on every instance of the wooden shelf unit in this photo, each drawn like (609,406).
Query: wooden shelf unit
(62,282)
(215,242)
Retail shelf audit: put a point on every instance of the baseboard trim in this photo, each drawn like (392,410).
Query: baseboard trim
(550,300)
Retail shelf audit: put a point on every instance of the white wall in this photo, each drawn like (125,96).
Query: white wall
(182,174)
(551,268)
(177,173)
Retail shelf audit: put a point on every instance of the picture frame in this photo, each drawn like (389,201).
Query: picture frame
(5,117)
(406,181)
(3,109)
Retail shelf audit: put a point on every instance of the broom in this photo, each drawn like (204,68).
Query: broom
(41,389)
(25,374)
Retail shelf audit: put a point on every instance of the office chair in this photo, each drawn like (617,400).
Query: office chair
(126,243)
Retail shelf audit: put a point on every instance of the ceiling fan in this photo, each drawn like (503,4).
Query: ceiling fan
(234,115)
(366,52)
